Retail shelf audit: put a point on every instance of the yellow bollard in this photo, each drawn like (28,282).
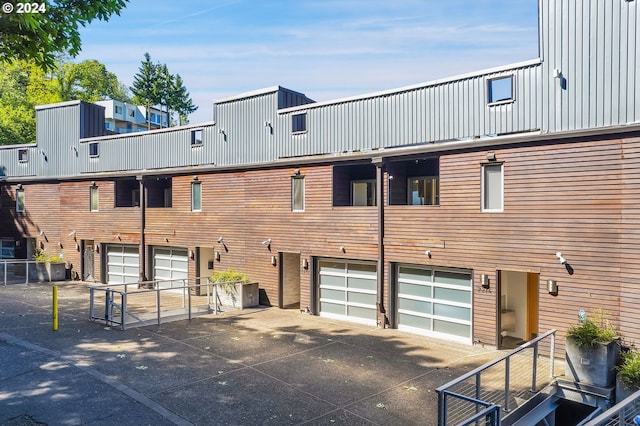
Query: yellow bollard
(55,307)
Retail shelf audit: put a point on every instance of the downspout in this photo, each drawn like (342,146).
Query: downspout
(141,249)
(382,319)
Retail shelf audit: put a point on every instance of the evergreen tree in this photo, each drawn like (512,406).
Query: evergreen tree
(145,86)
(183,103)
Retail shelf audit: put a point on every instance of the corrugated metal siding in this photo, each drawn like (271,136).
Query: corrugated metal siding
(595,46)
(57,132)
(438,112)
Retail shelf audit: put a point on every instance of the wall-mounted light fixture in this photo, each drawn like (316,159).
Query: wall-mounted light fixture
(73,234)
(195,178)
(42,233)
(221,131)
(561,258)
(484,281)
(94,184)
(166,239)
(119,237)
(267,123)
(267,243)
(552,286)
(428,253)
(19,186)
(60,244)
(491,156)
(343,249)
(97,247)
(77,247)
(296,172)
(273,261)
(191,254)
(305,264)
(217,257)
(220,240)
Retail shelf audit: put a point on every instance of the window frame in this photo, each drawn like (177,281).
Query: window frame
(117,109)
(94,197)
(23,155)
(299,123)
(131,113)
(371,182)
(194,185)
(20,200)
(436,195)
(194,139)
(295,204)
(95,154)
(512,97)
(483,188)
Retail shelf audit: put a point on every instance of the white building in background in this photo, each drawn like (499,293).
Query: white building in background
(123,117)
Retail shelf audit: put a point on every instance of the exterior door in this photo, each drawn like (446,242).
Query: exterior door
(517,308)
(289,281)
(88,260)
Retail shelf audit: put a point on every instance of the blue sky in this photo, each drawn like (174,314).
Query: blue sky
(326,49)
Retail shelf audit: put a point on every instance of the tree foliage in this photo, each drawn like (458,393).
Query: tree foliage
(90,81)
(155,85)
(37,37)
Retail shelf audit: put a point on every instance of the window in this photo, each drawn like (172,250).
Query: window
(492,187)
(423,191)
(20,200)
(23,156)
(117,109)
(159,192)
(127,193)
(500,89)
(196,196)
(299,123)
(354,185)
(132,113)
(196,137)
(93,149)
(363,193)
(297,193)
(93,196)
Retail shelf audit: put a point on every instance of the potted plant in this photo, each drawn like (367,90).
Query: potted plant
(48,268)
(592,350)
(234,289)
(628,377)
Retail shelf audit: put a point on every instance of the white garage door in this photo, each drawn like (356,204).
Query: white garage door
(348,290)
(435,302)
(169,265)
(122,264)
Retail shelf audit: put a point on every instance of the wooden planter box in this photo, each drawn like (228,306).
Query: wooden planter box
(237,295)
(593,365)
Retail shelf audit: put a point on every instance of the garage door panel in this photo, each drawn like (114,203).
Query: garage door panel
(331,308)
(415,321)
(417,290)
(453,278)
(363,298)
(450,328)
(360,312)
(455,312)
(327,293)
(461,296)
(121,264)
(414,305)
(169,265)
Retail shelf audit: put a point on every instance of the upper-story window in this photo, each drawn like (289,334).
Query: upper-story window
(93,198)
(93,150)
(20,200)
(354,185)
(414,182)
(299,123)
(131,113)
(500,89)
(117,109)
(159,192)
(196,196)
(196,137)
(23,155)
(127,193)
(297,193)
(492,187)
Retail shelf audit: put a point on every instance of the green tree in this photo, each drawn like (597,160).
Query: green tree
(55,28)
(89,81)
(145,86)
(182,102)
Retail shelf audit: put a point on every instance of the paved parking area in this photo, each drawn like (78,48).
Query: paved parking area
(262,366)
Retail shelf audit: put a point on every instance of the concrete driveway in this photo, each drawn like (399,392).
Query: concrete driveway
(261,366)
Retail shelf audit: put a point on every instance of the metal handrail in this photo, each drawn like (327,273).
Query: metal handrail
(27,262)
(443,391)
(621,410)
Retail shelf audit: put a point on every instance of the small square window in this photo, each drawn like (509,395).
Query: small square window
(196,137)
(117,109)
(500,89)
(23,155)
(20,200)
(299,123)
(132,113)
(93,149)
(297,194)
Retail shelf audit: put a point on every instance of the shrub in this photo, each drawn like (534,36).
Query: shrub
(629,370)
(595,329)
(229,275)
(42,256)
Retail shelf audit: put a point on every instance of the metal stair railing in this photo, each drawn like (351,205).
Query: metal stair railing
(493,387)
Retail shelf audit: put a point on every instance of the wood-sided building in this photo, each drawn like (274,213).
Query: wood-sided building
(484,208)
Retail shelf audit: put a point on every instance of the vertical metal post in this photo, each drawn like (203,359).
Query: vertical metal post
(142,263)
(91,293)
(124,308)
(26,270)
(158,303)
(507,374)
(5,273)
(381,312)
(534,378)
(442,408)
(478,390)
(552,355)
(183,290)
(215,297)
(55,308)
(189,296)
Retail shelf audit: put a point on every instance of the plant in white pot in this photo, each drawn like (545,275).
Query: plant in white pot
(628,377)
(592,350)
(234,289)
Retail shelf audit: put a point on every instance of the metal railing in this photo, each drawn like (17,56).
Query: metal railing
(17,271)
(621,414)
(489,392)
(153,302)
